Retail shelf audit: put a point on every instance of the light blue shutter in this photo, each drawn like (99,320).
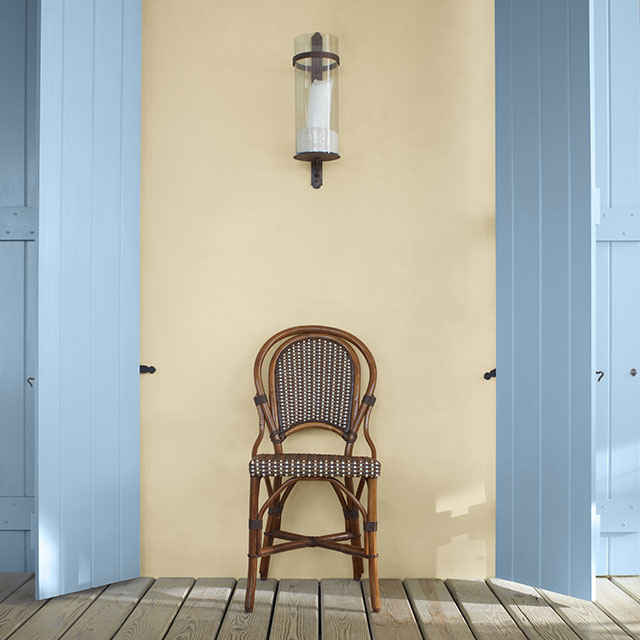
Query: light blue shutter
(545,245)
(88,296)
(18,233)
(617,145)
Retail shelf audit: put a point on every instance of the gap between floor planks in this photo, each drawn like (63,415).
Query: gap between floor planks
(334,609)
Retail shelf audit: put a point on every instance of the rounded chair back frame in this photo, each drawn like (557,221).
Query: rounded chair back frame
(314,379)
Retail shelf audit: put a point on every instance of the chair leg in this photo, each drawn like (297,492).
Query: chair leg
(264,562)
(352,525)
(372,515)
(273,523)
(358,565)
(254,544)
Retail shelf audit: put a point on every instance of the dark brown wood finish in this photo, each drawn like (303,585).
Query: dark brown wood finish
(346,423)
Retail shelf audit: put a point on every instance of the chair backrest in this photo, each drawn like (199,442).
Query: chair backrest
(314,378)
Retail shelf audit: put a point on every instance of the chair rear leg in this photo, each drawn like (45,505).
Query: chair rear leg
(255,533)
(352,525)
(358,565)
(371,531)
(268,541)
(273,524)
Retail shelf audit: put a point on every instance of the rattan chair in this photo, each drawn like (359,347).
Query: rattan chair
(314,382)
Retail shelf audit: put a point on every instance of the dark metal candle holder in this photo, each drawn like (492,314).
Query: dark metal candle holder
(317,69)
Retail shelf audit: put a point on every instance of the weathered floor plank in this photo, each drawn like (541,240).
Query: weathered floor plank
(619,606)
(342,610)
(630,584)
(536,619)
(584,617)
(52,620)
(106,615)
(437,614)
(429,609)
(17,608)
(395,620)
(201,614)
(296,610)
(239,625)
(155,612)
(10,582)
(484,614)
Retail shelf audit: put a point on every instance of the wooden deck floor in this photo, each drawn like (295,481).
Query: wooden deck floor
(212,608)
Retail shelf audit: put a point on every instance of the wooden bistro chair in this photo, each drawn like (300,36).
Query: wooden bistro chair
(314,382)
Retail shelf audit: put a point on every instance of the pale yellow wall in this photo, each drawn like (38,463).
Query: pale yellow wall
(397,247)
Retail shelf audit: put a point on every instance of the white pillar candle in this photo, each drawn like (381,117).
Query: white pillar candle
(319,112)
(318,136)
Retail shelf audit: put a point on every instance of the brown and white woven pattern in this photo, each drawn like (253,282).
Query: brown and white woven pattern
(314,383)
(303,465)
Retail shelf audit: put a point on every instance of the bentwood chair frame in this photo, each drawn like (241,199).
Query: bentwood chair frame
(327,349)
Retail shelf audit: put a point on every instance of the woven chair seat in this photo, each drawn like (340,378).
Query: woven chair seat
(312,465)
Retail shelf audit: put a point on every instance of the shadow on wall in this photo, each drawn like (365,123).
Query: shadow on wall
(460,520)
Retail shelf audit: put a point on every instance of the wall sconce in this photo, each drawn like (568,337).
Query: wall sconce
(316,64)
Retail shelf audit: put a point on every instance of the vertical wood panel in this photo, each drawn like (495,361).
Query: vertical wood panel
(105,308)
(49,562)
(617,162)
(616,50)
(12,551)
(30,364)
(88,411)
(13,73)
(544,244)
(527,287)
(18,120)
(18,125)
(581,332)
(16,458)
(129,308)
(12,307)
(624,471)
(624,102)
(505,417)
(76,293)
(603,388)
(601,83)
(555,294)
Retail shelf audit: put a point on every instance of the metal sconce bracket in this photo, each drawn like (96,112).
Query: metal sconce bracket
(316,159)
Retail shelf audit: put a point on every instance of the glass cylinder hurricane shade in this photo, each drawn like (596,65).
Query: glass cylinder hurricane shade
(316,65)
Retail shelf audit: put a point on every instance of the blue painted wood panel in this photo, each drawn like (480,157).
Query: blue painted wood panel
(617,117)
(603,391)
(18,133)
(618,407)
(88,398)
(617,171)
(18,183)
(12,373)
(13,72)
(545,246)
(17,284)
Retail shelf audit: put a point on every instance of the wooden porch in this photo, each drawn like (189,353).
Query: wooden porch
(212,608)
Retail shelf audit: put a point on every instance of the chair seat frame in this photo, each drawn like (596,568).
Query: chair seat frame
(361,546)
